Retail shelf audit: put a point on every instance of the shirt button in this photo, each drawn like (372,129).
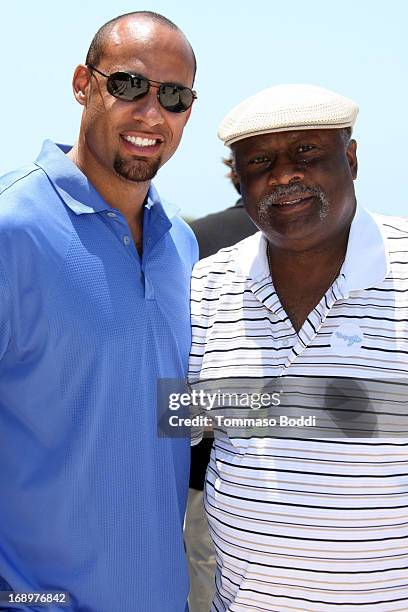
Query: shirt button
(285,342)
(126,240)
(111,214)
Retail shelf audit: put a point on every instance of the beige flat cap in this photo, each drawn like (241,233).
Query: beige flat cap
(287,107)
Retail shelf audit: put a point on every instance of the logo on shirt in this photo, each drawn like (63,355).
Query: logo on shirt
(347,339)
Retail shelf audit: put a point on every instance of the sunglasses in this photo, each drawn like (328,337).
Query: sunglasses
(130,87)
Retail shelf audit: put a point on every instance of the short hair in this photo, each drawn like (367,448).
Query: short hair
(346,133)
(96,48)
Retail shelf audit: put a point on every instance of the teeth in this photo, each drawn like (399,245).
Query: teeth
(291,201)
(140,142)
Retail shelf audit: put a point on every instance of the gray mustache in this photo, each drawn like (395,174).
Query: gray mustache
(286,190)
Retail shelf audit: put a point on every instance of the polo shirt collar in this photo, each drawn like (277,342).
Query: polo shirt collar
(75,189)
(70,183)
(153,199)
(251,259)
(366,262)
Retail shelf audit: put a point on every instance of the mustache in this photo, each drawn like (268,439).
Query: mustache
(281,191)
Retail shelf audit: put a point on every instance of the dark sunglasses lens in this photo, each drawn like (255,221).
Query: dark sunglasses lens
(175,99)
(126,86)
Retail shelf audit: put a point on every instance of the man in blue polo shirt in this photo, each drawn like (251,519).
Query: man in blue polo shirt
(94,290)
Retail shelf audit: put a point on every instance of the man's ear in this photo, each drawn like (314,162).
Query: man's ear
(188,113)
(352,158)
(80,83)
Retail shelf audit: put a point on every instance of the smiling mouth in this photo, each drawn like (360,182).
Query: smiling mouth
(292,200)
(142,145)
(141,142)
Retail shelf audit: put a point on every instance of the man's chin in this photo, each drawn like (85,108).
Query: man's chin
(290,227)
(137,171)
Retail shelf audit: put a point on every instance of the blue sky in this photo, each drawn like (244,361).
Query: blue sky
(357,48)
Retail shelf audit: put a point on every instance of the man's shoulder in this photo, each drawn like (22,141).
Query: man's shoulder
(392,226)
(184,237)
(18,190)
(182,226)
(395,236)
(30,214)
(225,260)
(17,180)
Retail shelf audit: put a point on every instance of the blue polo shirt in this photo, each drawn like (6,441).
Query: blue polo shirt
(92,501)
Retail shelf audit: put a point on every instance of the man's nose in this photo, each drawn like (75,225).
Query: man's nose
(285,171)
(148,110)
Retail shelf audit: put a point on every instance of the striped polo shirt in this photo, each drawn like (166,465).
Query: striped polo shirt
(312,524)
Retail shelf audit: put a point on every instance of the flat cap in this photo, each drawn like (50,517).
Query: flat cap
(287,107)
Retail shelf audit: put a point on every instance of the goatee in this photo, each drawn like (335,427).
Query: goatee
(137,170)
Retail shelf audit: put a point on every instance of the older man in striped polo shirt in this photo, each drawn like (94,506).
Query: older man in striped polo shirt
(305,523)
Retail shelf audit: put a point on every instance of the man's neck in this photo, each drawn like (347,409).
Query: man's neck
(301,278)
(126,196)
